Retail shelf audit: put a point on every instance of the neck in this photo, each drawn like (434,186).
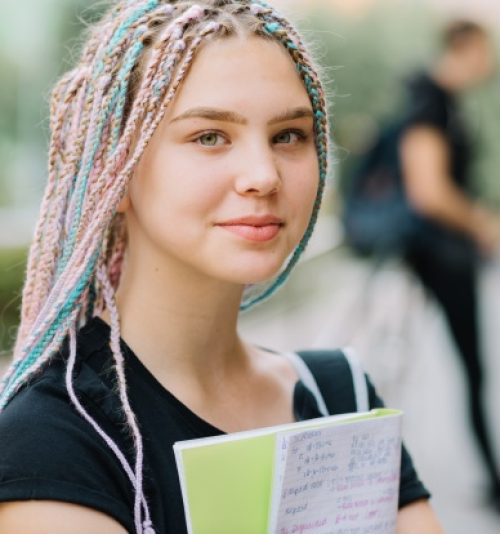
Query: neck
(181,325)
(448,74)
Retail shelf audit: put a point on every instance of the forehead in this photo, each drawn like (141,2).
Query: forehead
(247,73)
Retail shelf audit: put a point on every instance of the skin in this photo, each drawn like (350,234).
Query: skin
(185,274)
(426,159)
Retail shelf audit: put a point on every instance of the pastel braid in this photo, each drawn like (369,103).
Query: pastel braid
(279,27)
(38,263)
(103,114)
(67,303)
(76,143)
(122,387)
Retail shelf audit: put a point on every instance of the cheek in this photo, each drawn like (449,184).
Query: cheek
(304,189)
(155,180)
(173,189)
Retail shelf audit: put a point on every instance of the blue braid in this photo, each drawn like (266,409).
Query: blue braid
(321,136)
(120,91)
(122,31)
(117,94)
(62,316)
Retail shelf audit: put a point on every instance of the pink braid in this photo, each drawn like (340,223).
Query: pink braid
(109,441)
(35,265)
(78,129)
(104,201)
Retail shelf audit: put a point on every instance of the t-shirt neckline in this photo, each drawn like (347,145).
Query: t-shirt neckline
(303,400)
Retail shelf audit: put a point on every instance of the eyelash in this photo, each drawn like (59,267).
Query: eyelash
(301,136)
(200,136)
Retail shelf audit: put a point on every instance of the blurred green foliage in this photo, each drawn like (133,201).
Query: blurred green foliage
(8,91)
(366,59)
(12,268)
(71,18)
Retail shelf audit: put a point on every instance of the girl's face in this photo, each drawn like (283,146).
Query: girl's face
(228,181)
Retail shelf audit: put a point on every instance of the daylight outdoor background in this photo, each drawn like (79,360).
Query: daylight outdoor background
(367,48)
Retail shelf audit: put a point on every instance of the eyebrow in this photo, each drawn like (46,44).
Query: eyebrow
(212,114)
(230,116)
(293,114)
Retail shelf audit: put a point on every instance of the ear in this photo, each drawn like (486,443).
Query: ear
(124,204)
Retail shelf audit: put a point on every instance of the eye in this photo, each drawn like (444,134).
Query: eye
(289,137)
(210,139)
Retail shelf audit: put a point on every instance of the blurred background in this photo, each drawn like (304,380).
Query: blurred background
(367,48)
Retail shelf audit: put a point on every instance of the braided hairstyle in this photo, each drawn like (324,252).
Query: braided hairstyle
(103,114)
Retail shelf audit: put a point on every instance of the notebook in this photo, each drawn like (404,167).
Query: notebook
(332,475)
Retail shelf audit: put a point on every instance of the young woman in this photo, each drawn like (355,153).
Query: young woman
(187,163)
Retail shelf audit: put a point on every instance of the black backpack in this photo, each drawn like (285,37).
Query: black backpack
(376,216)
(340,385)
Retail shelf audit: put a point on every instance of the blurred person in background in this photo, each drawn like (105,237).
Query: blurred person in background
(454,230)
(410,197)
(187,163)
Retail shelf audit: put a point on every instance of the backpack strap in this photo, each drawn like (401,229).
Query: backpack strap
(335,378)
(358,379)
(308,380)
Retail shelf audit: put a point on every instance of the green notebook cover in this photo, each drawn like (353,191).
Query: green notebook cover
(227,481)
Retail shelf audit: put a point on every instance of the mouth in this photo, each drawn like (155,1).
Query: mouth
(254,228)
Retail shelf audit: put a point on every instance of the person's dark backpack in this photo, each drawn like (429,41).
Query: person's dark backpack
(376,216)
(335,378)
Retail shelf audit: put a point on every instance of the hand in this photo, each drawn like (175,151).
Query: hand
(486,231)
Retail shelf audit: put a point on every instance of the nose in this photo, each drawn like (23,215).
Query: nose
(259,174)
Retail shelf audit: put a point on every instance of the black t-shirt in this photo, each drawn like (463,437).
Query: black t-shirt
(49,452)
(429,104)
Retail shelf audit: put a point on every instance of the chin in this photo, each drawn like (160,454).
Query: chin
(254,275)
(259,280)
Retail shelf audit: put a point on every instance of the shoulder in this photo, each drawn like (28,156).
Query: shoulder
(50,452)
(43,406)
(427,103)
(424,87)
(33,517)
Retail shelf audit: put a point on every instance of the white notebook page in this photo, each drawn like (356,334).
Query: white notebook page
(342,479)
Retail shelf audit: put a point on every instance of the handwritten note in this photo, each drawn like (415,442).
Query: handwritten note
(342,479)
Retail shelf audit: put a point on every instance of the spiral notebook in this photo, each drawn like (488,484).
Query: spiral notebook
(324,476)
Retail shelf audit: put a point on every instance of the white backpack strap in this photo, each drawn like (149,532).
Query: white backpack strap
(358,379)
(308,380)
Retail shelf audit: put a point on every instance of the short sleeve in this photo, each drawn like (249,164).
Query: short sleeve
(427,107)
(49,452)
(411,488)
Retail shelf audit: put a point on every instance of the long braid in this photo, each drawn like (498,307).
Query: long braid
(83,412)
(35,261)
(282,29)
(120,372)
(76,145)
(103,114)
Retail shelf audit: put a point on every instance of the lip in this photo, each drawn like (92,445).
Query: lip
(253,220)
(257,228)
